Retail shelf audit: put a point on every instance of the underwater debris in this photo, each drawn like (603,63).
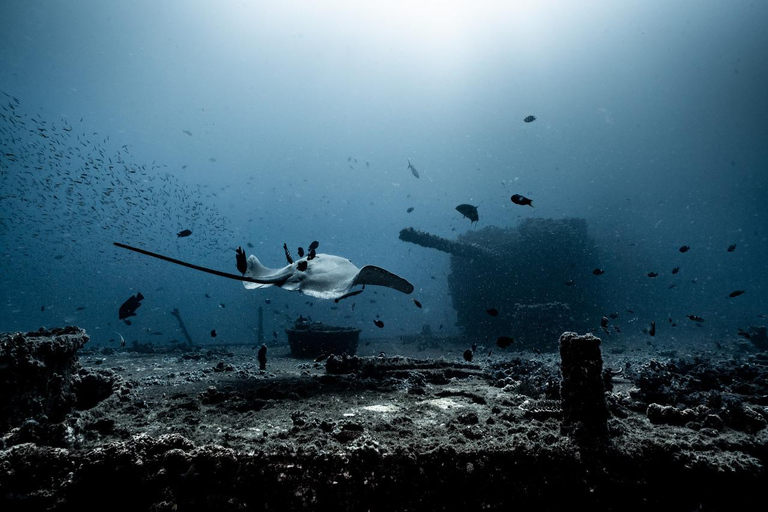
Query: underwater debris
(261,356)
(582,388)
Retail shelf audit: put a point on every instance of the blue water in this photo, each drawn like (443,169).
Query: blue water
(652,124)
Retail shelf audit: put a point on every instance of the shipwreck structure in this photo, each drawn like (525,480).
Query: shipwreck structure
(537,276)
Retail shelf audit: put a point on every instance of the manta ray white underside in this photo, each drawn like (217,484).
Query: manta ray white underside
(326,276)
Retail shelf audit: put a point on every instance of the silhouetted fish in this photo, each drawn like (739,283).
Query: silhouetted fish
(676,270)
(684,248)
(492,311)
(598,271)
(242,263)
(379,323)
(182,234)
(187,132)
(652,330)
(731,248)
(418,304)
(468,211)
(468,354)
(652,274)
(736,293)
(412,169)
(409,210)
(521,200)
(262,357)
(129,307)
(504,341)
(696,318)
(213,333)
(529,119)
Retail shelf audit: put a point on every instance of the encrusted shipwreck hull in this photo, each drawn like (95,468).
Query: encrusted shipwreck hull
(536,275)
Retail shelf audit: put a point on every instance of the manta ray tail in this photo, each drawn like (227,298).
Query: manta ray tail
(374,275)
(190,265)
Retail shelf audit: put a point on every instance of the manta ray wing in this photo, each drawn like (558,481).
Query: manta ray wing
(378,276)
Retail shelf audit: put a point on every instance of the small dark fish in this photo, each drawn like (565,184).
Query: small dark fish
(504,341)
(274,334)
(42,308)
(127,322)
(301,252)
(302,266)
(314,245)
(676,270)
(250,245)
(412,168)
(492,312)
(614,315)
(529,119)
(468,354)
(630,312)
(58,257)
(652,330)
(696,318)
(287,254)
(569,282)
(671,286)
(744,333)
(410,209)
(222,305)
(207,295)
(211,159)
(242,263)
(598,271)
(129,307)
(187,132)
(262,357)
(418,304)
(736,293)
(267,301)
(685,248)
(321,357)
(604,322)
(731,248)
(379,324)
(80,308)
(213,333)
(182,234)
(652,274)
(521,200)
(616,328)
(468,211)
(474,347)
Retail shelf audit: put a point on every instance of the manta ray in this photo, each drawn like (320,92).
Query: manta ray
(323,276)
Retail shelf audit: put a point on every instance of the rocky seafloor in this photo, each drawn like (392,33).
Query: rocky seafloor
(409,428)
